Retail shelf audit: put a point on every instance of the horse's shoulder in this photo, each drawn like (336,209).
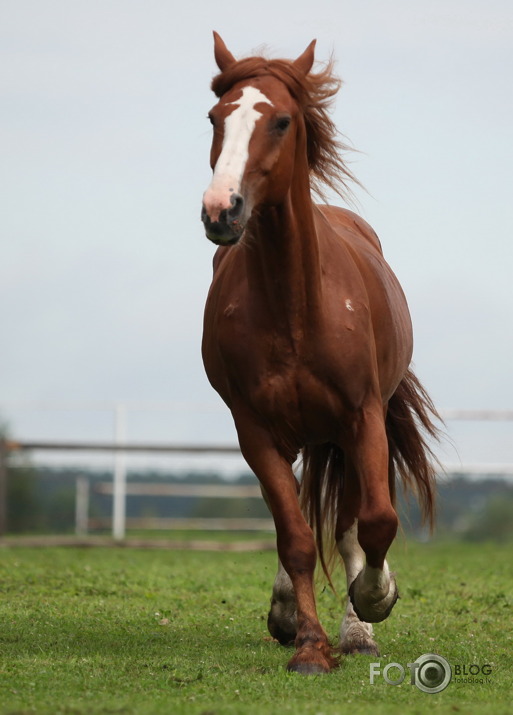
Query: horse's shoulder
(347,223)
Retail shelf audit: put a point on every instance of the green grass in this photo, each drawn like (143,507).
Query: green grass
(139,632)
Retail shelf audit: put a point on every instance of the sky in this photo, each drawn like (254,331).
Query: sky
(104,141)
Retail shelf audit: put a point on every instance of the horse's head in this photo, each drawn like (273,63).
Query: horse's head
(253,150)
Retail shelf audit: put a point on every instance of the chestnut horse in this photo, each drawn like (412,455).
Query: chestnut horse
(308,340)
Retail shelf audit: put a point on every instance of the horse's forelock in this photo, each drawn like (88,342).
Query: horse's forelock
(251,67)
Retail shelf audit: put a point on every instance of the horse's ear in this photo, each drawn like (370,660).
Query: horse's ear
(224,57)
(305,61)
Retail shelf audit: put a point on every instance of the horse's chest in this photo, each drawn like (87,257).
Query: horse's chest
(279,377)
(299,379)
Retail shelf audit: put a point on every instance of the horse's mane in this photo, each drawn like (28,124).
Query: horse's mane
(314,93)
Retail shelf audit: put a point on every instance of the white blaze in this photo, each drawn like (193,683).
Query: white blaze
(229,169)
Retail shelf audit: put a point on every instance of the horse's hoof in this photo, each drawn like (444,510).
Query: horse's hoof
(375,611)
(310,660)
(308,668)
(285,636)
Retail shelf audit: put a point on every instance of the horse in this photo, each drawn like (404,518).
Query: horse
(308,340)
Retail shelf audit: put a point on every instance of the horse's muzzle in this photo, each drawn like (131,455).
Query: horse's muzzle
(229,224)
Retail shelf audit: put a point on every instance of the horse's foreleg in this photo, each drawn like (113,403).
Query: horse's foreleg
(297,552)
(296,548)
(373,592)
(355,635)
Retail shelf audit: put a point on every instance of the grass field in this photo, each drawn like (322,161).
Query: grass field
(133,631)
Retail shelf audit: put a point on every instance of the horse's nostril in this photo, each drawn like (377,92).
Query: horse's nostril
(237,202)
(223,226)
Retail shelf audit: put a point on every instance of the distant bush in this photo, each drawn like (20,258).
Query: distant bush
(494,523)
(24,512)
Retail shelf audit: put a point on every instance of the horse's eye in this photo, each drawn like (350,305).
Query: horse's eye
(283,123)
(211,119)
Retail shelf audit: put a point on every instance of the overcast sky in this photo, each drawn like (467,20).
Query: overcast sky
(104,266)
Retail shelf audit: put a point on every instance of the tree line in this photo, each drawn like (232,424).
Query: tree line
(42,499)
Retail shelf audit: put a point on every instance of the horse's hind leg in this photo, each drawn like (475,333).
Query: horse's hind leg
(373,592)
(282,618)
(355,635)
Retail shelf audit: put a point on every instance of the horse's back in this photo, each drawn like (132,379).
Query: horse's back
(350,246)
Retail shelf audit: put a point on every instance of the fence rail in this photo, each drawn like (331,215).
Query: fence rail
(16,446)
(234,491)
(188,524)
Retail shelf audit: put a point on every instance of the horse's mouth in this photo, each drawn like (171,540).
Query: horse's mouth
(222,232)
(223,237)
(223,242)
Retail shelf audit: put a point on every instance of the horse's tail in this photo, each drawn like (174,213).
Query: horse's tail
(409,425)
(322,482)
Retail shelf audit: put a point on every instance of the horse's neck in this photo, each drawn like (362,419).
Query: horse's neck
(283,261)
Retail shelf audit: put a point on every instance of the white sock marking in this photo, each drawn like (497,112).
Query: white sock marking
(354,561)
(351,552)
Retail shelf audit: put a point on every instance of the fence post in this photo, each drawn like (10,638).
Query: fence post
(82,506)
(3,487)
(119,496)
